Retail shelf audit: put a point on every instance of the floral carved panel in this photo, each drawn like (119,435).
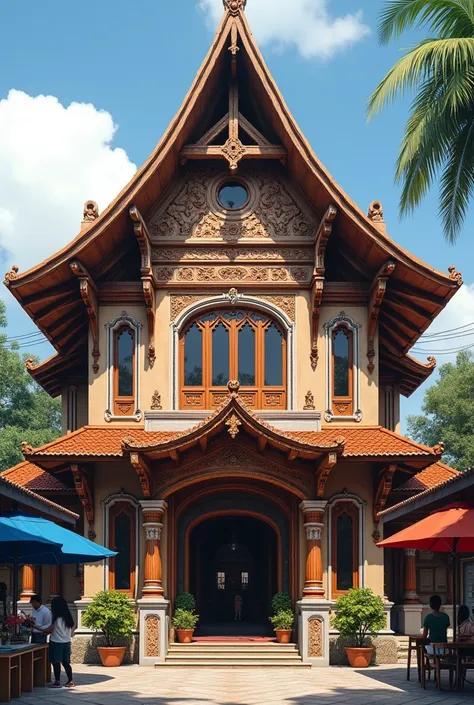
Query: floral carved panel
(232,274)
(274,211)
(179,302)
(315,638)
(152,635)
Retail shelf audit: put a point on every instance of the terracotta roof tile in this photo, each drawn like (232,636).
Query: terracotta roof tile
(32,477)
(29,493)
(432,476)
(100,441)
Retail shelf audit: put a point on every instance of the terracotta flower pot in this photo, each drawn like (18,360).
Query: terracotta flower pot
(185,636)
(359,658)
(283,635)
(111,655)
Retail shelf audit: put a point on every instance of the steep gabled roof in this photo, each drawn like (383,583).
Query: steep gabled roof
(49,292)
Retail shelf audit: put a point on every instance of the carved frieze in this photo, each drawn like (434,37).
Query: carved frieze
(179,303)
(152,635)
(315,638)
(227,254)
(274,211)
(233,274)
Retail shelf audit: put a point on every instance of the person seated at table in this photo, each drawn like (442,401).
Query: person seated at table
(5,602)
(435,625)
(43,618)
(465,625)
(60,642)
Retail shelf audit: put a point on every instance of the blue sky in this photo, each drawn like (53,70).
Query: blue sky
(136,60)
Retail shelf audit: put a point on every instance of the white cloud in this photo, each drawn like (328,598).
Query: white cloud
(52,159)
(305,24)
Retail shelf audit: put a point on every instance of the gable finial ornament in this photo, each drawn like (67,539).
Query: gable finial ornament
(89,213)
(233,386)
(11,275)
(234,6)
(376,212)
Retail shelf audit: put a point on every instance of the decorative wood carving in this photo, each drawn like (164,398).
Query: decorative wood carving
(156,401)
(213,255)
(439,448)
(292,276)
(375,214)
(454,275)
(377,294)
(11,275)
(309,402)
(322,236)
(143,471)
(152,635)
(384,486)
(315,638)
(88,291)
(26,448)
(148,283)
(323,472)
(179,303)
(235,6)
(82,483)
(233,423)
(90,212)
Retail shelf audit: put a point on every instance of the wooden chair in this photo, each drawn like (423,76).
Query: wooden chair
(445,662)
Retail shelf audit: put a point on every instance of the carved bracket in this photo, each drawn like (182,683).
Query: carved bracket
(142,469)
(323,472)
(148,280)
(83,489)
(376,297)
(322,236)
(88,293)
(384,486)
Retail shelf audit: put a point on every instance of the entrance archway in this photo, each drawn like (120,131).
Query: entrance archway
(233,558)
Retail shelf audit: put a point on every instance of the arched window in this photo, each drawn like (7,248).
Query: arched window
(123,368)
(342,369)
(229,344)
(344,547)
(122,523)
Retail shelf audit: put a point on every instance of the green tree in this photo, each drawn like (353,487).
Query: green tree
(448,412)
(439,135)
(27,412)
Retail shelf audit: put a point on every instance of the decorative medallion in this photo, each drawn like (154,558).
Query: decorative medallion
(233,295)
(234,6)
(233,423)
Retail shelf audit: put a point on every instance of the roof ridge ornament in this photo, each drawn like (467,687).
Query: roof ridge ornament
(234,6)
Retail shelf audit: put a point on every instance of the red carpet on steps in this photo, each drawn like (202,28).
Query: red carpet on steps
(238,639)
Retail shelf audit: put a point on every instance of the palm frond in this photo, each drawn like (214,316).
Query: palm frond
(457,181)
(446,18)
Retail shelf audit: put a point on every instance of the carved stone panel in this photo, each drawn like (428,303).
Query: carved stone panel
(180,302)
(152,635)
(315,638)
(232,275)
(274,211)
(229,254)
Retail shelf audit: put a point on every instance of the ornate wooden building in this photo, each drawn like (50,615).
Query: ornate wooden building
(232,338)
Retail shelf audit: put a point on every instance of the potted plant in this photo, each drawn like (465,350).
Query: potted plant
(111,614)
(359,614)
(283,617)
(185,619)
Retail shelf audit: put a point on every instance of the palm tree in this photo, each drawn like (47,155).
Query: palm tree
(439,134)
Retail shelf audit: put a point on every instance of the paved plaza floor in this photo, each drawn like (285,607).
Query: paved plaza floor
(132,685)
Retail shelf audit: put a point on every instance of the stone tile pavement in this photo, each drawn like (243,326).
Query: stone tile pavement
(132,685)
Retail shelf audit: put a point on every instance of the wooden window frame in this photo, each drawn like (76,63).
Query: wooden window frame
(258,396)
(343,405)
(130,510)
(339,508)
(124,405)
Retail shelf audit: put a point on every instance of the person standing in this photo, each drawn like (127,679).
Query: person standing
(60,641)
(238,602)
(43,618)
(5,602)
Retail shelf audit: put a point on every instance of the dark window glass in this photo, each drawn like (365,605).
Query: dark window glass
(123,568)
(233,195)
(125,363)
(247,356)
(345,529)
(193,357)
(244,580)
(221,581)
(273,357)
(341,364)
(220,356)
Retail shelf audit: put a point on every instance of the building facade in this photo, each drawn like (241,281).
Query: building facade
(232,338)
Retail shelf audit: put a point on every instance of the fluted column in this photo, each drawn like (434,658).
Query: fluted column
(153,510)
(54,581)
(313,517)
(410,596)
(28,583)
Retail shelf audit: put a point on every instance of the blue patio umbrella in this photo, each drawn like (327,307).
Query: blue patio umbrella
(25,538)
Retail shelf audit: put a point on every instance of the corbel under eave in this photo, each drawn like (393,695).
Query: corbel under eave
(323,472)
(88,291)
(376,298)
(382,490)
(322,237)
(84,492)
(143,471)
(148,280)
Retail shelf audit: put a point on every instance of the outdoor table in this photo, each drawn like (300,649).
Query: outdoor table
(455,649)
(416,642)
(22,666)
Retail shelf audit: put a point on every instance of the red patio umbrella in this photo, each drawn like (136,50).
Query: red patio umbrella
(449,530)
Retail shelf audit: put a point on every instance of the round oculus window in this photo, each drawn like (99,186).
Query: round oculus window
(232,195)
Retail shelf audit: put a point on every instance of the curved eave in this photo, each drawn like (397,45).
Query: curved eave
(49,373)
(407,372)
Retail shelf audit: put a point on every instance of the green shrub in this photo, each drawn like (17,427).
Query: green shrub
(184,619)
(281,602)
(359,614)
(112,614)
(185,601)
(283,619)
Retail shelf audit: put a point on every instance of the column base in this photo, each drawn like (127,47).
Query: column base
(408,618)
(313,630)
(153,621)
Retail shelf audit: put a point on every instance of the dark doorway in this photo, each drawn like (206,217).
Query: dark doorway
(233,556)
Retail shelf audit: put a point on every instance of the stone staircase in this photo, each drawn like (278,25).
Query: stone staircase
(402,643)
(233,655)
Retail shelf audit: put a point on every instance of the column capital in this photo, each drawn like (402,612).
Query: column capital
(152,530)
(154,505)
(313,505)
(410,552)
